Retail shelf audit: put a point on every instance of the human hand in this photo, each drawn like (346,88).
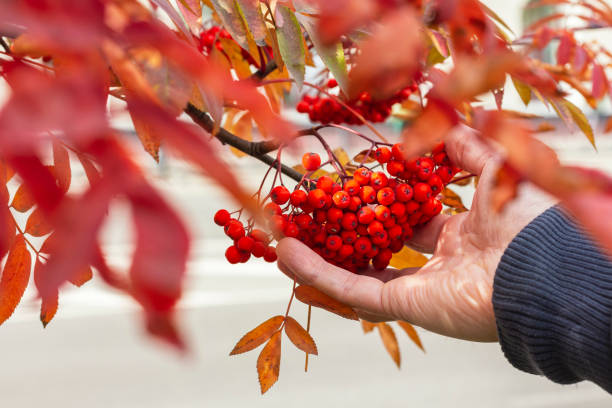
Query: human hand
(451,294)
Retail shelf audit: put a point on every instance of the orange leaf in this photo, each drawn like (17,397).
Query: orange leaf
(37,225)
(390,341)
(6,172)
(15,277)
(367,326)
(91,171)
(22,201)
(412,333)
(49,303)
(316,298)
(268,363)
(408,258)
(608,126)
(452,199)
(82,277)
(299,336)
(61,164)
(149,138)
(258,335)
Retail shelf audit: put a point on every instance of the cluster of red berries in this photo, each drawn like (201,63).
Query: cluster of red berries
(212,38)
(366,218)
(327,110)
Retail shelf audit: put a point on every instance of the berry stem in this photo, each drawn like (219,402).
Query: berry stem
(307,331)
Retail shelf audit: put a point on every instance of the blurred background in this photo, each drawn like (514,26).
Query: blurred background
(95,353)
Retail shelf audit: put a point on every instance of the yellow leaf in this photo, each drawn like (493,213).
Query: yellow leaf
(408,258)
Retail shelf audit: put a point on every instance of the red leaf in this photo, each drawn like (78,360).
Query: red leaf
(8,230)
(313,297)
(15,277)
(299,336)
(22,200)
(258,335)
(38,180)
(82,277)
(566,44)
(61,165)
(37,225)
(268,363)
(91,171)
(49,303)
(600,82)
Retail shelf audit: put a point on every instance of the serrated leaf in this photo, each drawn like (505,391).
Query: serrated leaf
(291,43)
(299,336)
(408,258)
(15,277)
(37,225)
(314,297)
(581,120)
(268,362)
(452,199)
(251,11)
(390,342)
(412,333)
(258,335)
(49,303)
(22,200)
(232,21)
(367,326)
(523,90)
(61,166)
(147,136)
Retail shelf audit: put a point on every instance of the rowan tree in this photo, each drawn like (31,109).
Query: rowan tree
(204,79)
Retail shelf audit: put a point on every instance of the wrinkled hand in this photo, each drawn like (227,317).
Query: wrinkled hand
(451,294)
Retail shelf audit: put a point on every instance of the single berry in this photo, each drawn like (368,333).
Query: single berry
(222,217)
(367,194)
(233,255)
(342,199)
(316,198)
(422,192)
(382,154)
(245,244)
(333,243)
(311,161)
(326,184)
(332,83)
(404,192)
(280,195)
(362,176)
(298,197)
(270,254)
(385,196)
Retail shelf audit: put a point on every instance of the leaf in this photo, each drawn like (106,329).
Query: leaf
(299,336)
(251,11)
(243,128)
(37,224)
(313,297)
(258,335)
(412,333)
(192,12)
(408,258)
(23,200)
(359,157)
(49,303)
(82,277)
(61,166)
(15,277)
(545,127)
(8,229)
(268,362)
(452,199)
(581,120)
(523,90)
(175,17)
(149,139)
(367,326)
(600,82)
(230,16)
(608,126)
(341,155)
(291,43)
(390,342)
(91,171)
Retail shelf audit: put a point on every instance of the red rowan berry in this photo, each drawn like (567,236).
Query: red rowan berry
(335,188)
(259,249)
(398,209)
(334,215)
(306,207)
(436,184)
(320,238)
(222,217)
(382,154)
(362,245)
(316,198)
(431,207)
(245,243)
(382,213)
(379,180)
(326,184)
(380,238)
(271,209)
(234,229)
(355,203)
(389,223)
(280,195)
(367,194)
(362,229)
(445,173)
(440,158)
(332,83)
(259,235)
(415,218)
(439,148)
(291,230)
(348,237)
(395,167)
(422,192)
(270,254)
(333,243)
(412,207)
(371,253)
(311,161)
(342,199)
(374,227)
(366,215)
(396,245)
(385,196)
(362,176)
(303,107)
(346,251)
(351,187)
(395,232)
(332,228)
(424,173)
(349,221)
(233,255)
(398,151)
(277,223)
(320,216)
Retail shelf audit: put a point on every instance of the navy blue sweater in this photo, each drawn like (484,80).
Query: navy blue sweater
(552,297)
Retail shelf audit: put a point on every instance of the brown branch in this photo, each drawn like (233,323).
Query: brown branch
(257,150)
(5,45)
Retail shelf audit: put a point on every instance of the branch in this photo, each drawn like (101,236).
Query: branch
(257,150)
(5,45)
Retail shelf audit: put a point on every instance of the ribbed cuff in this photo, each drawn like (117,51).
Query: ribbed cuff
(552,297)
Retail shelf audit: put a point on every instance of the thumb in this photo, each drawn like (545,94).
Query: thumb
(467,151)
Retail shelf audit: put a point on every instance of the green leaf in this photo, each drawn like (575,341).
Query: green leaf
(332,56)
(251,11)
(291,43)
(581,120)
(523,90)
(232,21)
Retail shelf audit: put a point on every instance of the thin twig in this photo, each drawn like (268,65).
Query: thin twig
(5,45)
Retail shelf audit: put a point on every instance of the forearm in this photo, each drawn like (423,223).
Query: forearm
(553,303)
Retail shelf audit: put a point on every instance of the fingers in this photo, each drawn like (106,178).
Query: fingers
(467,151)
(425,237)
(362,292)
